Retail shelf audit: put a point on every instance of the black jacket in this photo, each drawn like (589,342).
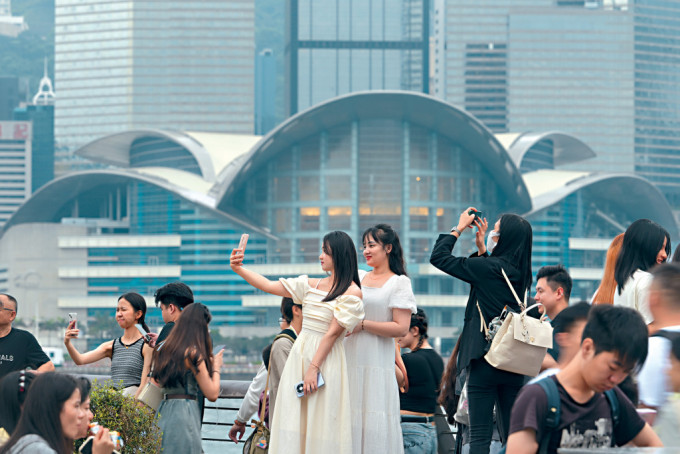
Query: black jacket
(487,286)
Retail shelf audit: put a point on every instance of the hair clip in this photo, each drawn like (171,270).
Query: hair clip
(22,381)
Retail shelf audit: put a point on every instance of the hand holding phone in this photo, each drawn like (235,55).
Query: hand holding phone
(72,319)
(300,387)
(145,335)
(218,348)
(244,241)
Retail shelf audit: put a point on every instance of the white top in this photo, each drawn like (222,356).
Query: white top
(653,384)
(251,401)
(635,294)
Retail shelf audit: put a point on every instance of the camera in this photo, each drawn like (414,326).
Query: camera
(478,215)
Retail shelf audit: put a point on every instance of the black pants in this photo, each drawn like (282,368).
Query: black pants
(488,386)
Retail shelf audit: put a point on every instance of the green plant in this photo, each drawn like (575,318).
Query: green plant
(135,422)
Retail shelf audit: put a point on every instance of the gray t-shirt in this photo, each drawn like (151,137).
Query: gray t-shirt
(31,444)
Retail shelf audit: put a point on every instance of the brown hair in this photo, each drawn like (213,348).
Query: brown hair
(605,292)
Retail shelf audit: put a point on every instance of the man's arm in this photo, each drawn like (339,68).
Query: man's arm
(277,360)
(646,437)
(249,405)
(522,442)
(46,367)
(548,362)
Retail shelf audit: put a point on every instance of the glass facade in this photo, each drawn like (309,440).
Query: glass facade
(122,65)
(341,46)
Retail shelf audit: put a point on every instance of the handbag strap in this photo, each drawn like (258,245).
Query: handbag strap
(522,305)
(483,327)
(264,399)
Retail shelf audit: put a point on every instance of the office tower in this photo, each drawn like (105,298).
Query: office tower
(338,46)
(605,71)
(15,166)
(265,92)
(123,65)
(9,96)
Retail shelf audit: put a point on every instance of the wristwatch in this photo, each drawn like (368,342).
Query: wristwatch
(455,229)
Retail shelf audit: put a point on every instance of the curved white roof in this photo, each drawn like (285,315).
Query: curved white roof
(566,147)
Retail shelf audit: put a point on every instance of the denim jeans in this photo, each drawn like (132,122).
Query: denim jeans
(419,438)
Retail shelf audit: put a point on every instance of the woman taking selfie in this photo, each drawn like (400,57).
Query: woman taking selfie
(52,418)
(388,303)
(510,242)
(130,355)
(319,421)
(182,365)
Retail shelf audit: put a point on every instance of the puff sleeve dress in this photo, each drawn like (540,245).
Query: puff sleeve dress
(376,424)
(320,422)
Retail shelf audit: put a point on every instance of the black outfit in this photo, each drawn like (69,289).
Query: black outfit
(164,332)
(557,328)
(588,425)
(19,350)
(486,384)
(423,386)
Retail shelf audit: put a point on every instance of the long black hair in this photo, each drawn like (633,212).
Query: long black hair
(189,339)
(641,244)
(42,410)
(385,234)
(341,248)
(419,320)
(138,303)
(13,391)
(514,245)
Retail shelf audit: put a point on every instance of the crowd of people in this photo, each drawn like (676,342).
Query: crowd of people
(352,370)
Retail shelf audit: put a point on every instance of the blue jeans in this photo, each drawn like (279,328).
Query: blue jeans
(419,438)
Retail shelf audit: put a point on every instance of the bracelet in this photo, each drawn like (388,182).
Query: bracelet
(362,325)
(239,423)
(312,364)
(455,229)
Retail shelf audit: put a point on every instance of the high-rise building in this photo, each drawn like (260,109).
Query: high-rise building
(9,96)
(122,65)
(15,166)
(338,46)
(606,71)
(265,92)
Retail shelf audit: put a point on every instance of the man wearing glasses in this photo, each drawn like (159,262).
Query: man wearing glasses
(18,348)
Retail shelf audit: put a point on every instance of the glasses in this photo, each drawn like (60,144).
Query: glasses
(281,320)
(7,309)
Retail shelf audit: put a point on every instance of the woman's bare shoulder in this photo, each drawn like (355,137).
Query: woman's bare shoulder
(354,290)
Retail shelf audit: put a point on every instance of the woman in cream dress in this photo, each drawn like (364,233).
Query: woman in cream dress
(320,421)
(389,303)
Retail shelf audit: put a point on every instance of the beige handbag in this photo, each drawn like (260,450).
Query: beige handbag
(151,394)
(522,341)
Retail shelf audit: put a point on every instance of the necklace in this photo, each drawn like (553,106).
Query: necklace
(127,345)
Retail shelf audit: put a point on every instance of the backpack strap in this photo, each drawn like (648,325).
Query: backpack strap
(670,335)
(613,400)
(552,419)
(284,335)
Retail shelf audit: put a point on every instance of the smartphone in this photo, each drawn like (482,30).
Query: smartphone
(300,387)
(243,242)
(72,319)
(145,335)
(217,349)
(478,215)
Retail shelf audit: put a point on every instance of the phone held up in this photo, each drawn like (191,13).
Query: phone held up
(478,215)
(72,319)
(145,335)
(217,349)
(300,387)
(244,241)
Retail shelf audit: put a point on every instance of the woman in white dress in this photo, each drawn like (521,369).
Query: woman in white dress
(319,421)
(645,245)
(389,303)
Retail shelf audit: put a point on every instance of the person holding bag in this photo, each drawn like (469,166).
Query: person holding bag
(508,249)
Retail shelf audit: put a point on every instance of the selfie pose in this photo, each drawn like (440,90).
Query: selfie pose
(310,417)
(130,355)
(389,303)
(510,244)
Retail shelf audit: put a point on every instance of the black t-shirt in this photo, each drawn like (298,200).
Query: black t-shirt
(423,387)
(19,350)
(587,425)
(165,332)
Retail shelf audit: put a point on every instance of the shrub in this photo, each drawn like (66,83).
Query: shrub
(135,422)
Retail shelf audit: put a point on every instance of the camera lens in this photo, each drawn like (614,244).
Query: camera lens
(300,387)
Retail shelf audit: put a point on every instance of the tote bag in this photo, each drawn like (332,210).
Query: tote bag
(522,341)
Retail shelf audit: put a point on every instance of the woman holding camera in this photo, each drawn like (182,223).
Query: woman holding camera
(510,241)
(317,419)
(130,355)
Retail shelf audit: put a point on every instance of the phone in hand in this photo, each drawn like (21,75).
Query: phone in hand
(72,319)
(145,335)
(217,348)
(300,387)
(244,241)
(478,215)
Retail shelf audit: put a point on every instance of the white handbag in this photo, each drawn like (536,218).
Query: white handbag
(521,342)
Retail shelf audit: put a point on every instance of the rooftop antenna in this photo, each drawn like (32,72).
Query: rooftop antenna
(45,95)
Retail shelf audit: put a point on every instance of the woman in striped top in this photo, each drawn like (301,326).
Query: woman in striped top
(130,355)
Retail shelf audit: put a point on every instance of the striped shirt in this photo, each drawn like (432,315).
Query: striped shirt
(127,362)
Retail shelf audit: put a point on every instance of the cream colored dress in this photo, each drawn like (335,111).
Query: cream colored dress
(376,423)
(321,422)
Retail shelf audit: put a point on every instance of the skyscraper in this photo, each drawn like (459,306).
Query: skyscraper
(265,92)
(606,71)
(123,65)
(15,166)
(336,47)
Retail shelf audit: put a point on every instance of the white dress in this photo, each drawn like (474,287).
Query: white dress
(635,294)
(376,424)
(318,423)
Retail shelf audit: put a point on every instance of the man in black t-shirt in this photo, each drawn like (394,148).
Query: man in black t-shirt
(172,299)
(614,344)
(18,348)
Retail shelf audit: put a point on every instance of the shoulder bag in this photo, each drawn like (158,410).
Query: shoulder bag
(151,394)
(258,441)
(521,342)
